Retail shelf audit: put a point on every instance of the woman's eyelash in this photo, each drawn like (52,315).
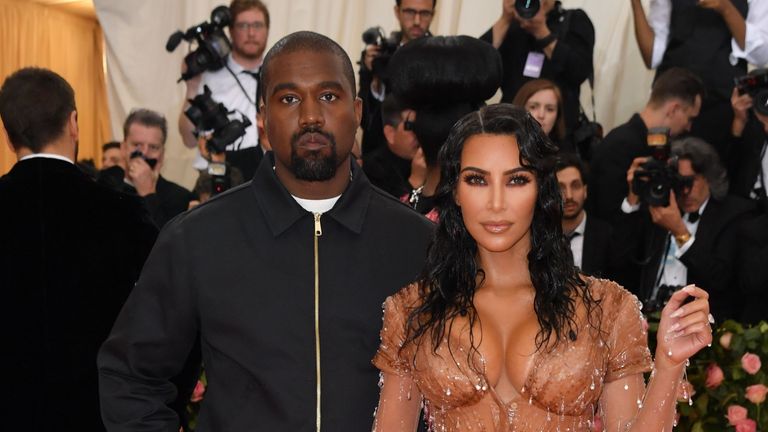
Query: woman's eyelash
(474,179)
(477,179)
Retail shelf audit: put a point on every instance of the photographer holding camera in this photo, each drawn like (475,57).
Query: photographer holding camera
(414,17)
(675,101)
(747,158)
(692,239)
(235,84)
(541,39)
(143,148)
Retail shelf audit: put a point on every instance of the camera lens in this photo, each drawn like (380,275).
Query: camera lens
(527,9)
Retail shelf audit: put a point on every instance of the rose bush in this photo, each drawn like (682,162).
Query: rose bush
(729,384)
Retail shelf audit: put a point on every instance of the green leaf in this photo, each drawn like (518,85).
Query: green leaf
(701,403)
(697,427)
(752,334)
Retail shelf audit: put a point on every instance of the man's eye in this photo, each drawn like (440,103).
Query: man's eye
(329,97)
(289,99)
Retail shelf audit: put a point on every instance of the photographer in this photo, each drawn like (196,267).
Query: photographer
(675,101)
(747,158)
(540,39)
(693,239)
(414,17)
(697,35)
(143,148)
(235,85)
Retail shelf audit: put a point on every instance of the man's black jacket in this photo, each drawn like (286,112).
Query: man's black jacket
(712,260)
(608,178)
(70,253)
(238,272)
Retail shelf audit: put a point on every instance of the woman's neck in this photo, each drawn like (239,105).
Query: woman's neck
(505,271)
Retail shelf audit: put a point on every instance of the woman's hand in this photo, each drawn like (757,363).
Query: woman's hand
(684,328)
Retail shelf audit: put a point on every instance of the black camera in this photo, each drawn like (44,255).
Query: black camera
(756,84)
(657,177)
(137,153)
(387,47)
(527,9)
(663,294)
(209,115)
(212,44)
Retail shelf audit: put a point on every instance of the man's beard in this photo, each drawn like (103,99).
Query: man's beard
(575,214)
(315,167)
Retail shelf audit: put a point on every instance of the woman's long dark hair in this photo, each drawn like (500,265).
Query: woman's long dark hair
(449,278)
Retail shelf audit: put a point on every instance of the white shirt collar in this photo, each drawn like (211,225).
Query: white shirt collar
(237,68)
(581,226)
(47,156)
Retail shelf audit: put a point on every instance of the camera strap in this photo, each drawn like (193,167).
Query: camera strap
(255,76)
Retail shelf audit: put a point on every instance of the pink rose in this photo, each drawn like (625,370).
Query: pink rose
(725,340)
(751,363)
(756,393)
(736,413)
(746,425)
(197,394)
(714,376)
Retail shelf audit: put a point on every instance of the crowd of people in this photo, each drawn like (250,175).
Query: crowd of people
(512,245)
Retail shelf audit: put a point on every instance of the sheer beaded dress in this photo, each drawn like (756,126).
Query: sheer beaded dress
(562,389)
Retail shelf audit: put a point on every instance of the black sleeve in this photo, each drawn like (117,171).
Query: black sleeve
(571,60)
(627,249)
(487,36)
(150,342)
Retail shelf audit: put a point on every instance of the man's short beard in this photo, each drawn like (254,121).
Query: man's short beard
(316,167)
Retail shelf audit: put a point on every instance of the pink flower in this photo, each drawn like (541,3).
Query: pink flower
(197,394)
(597,424)
(746,425)
(756,393)
(736,413)
(714,376)
(725,340)
(751,363)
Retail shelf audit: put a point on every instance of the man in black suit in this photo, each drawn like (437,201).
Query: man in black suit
(143,146)
(695,239)
(589,237)
(675,101)
(71,251)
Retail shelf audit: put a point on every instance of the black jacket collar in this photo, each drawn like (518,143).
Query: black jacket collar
(281,211)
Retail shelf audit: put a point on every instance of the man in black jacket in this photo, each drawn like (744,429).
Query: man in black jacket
(589,237)
(695,239)
(555,44)
(675,101)
(143,147)
(281,279)
(71,251)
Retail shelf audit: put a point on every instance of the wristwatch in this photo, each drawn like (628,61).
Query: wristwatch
(682,238)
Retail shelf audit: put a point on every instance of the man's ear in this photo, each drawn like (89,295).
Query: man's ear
(72,128)
(586,191)
(358,111)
